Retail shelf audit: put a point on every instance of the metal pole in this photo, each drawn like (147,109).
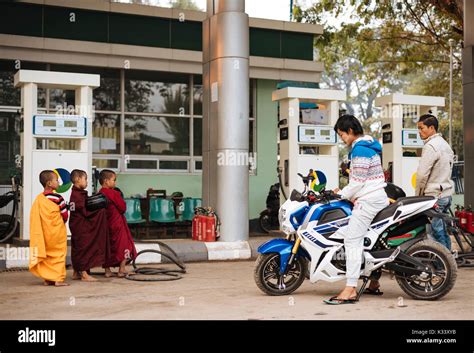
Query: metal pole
(451,44)
(468,100)
(226,116)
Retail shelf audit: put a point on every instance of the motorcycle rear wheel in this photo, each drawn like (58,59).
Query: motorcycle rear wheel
(268,279)
(442,265)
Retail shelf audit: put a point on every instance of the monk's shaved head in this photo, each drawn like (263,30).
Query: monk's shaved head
(77,174)
(105,174)
(45,176)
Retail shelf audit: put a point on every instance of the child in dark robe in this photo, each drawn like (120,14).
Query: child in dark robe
(89,231)
(122,247)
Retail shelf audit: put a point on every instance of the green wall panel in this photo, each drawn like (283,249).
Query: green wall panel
(76,24)
(186,35)
(265,42)
(297,45)
(139,30)
(98,26)
(267,148)
(21,19)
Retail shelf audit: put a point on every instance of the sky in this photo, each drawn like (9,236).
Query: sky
(270,9)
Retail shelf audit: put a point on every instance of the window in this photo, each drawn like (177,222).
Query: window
(60,99)
(100,163)
(174,165)
(156,135)
(198,91)
(139,164)
(9,144)
(163,93)
(197,136)
(106,133)
(106,97)
(11,96)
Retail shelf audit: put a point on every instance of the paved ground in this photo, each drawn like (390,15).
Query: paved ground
(216,290)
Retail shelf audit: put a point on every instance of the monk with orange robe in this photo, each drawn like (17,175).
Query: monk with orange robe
(48,234)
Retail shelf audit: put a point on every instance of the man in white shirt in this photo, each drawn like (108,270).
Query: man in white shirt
(433,176)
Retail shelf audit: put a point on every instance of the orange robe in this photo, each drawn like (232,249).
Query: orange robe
(48,240)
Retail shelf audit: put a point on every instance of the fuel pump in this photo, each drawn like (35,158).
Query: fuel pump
(307,138)
(59,142)
(401,142)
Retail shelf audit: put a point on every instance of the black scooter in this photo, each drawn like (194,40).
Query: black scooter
(269,217)
(9,223)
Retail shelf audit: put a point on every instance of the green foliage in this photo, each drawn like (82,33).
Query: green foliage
(185,5)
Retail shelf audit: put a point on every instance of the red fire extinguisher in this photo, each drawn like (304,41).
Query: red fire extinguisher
(469,219)
(209,228)
(195,227)
(205,225)
(456,211)
(463,219)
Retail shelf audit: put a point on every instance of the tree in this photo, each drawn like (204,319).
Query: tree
(390,46)
(185,5)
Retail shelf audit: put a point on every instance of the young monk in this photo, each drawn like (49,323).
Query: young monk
(122,247)
(48,234)
(89,230)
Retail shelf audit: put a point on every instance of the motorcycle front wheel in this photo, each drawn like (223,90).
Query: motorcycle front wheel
(268,279)
(442,274)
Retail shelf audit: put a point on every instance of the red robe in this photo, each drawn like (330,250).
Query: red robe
(121,241)
(89,233)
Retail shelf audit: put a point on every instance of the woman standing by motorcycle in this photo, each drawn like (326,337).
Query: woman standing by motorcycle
(366,191)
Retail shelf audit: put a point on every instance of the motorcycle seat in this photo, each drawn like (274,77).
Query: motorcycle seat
(389,211)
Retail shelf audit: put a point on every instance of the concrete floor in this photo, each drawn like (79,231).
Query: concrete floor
(217,290)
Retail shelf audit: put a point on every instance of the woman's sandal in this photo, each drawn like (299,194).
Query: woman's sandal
(122,274)
(371,291)
(338,301)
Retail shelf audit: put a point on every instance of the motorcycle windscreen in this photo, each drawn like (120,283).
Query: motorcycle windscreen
(296,196)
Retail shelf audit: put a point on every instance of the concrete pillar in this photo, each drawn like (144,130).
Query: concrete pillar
(226,115)
(468,100)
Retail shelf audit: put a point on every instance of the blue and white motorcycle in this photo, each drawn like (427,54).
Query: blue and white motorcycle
(396,242)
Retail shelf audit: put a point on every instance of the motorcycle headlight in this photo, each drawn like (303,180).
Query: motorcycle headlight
(281,218)
(287,227)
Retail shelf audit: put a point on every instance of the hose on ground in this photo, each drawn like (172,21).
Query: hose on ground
(159,274)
